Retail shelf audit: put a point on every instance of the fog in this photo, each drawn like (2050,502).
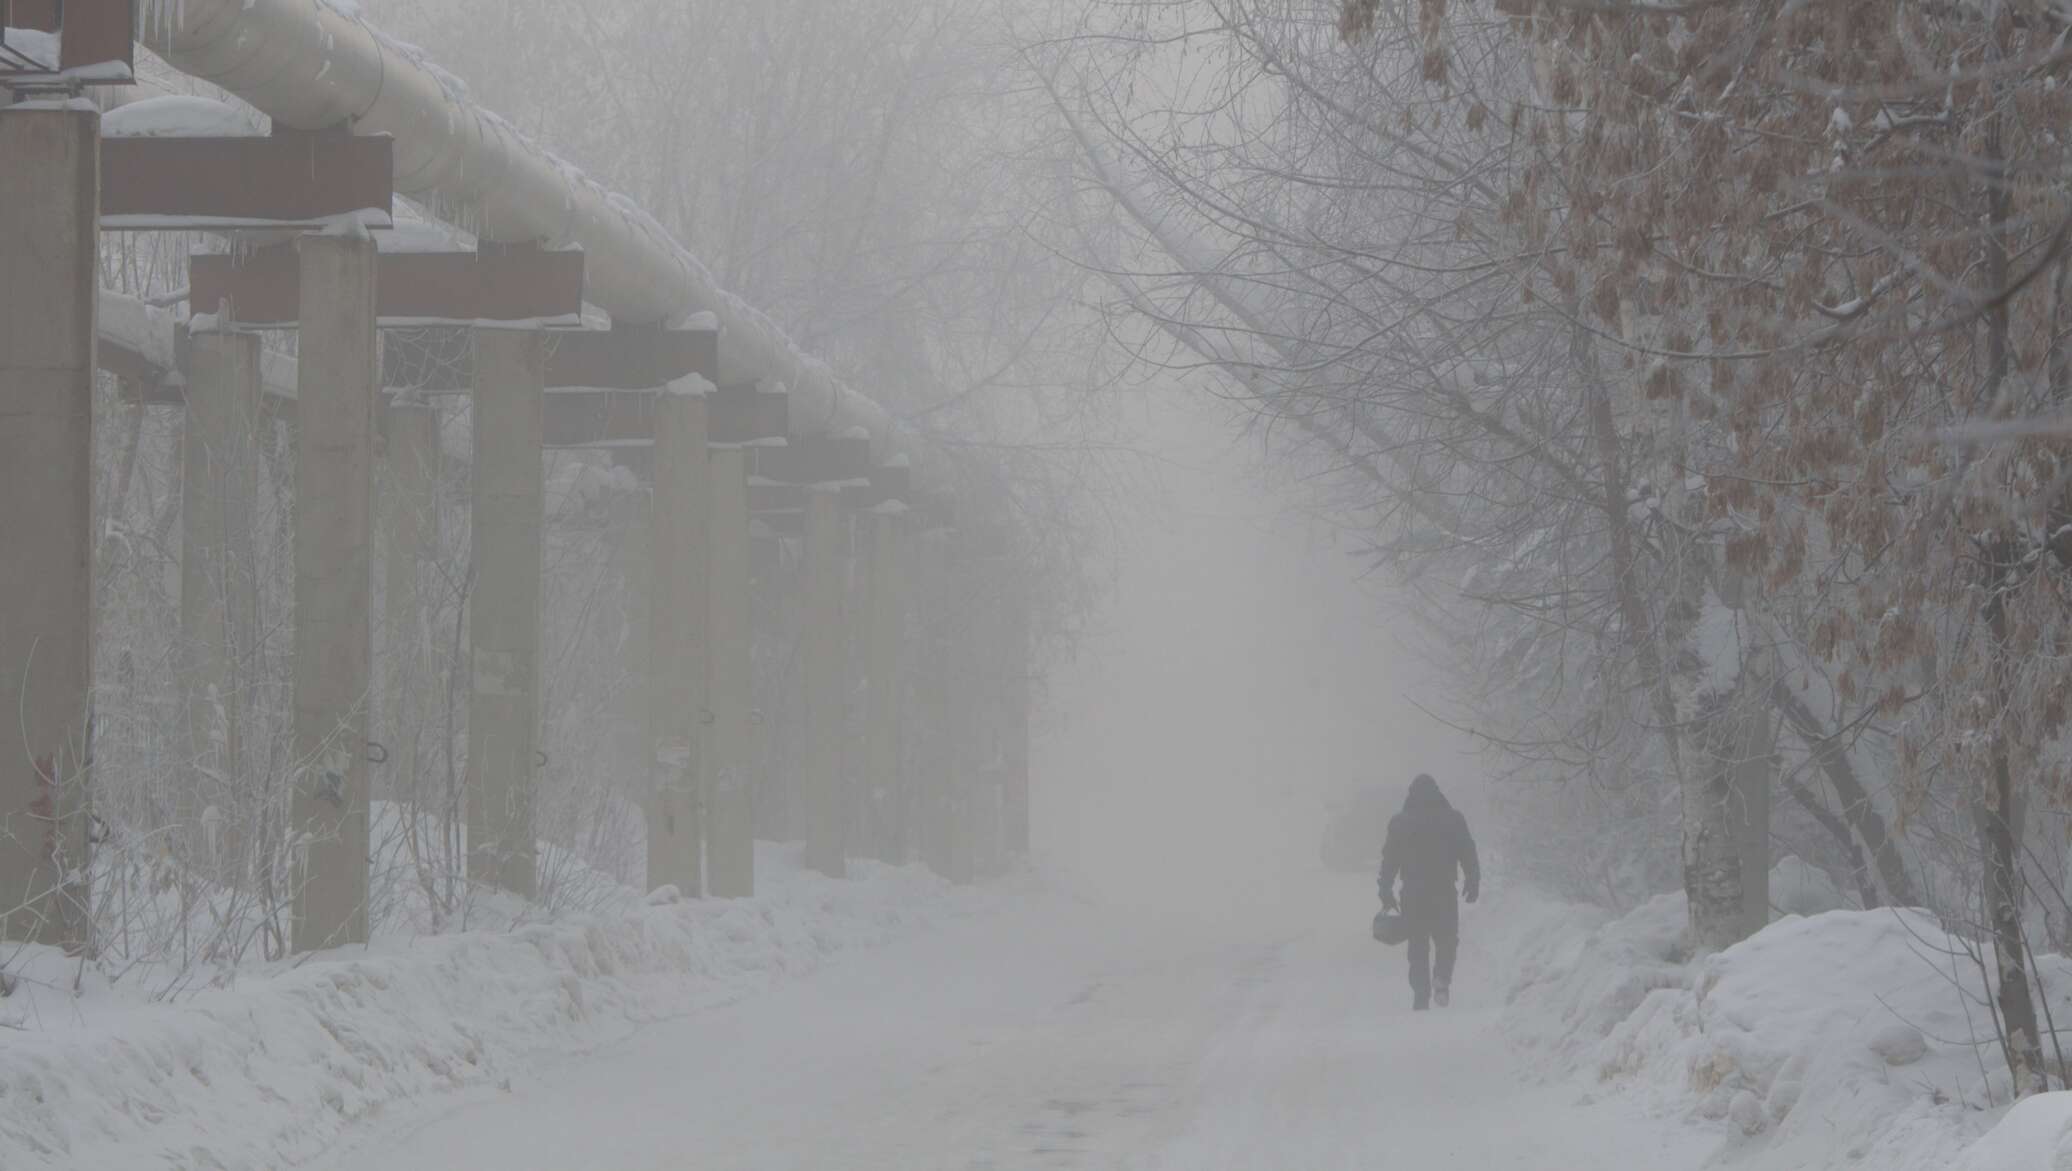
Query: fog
(783,584)
(1241,675)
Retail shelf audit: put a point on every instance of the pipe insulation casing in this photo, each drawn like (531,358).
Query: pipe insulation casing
(310,66)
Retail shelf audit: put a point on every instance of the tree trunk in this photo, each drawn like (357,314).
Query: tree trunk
(2000,845)
(1712,853)
(1858,810)
(1996,810)
(1711,847)
(1829,820)
(1754,764)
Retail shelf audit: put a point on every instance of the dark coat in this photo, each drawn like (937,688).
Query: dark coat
(1428,844)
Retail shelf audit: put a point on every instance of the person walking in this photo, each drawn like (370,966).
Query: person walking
(1428,842)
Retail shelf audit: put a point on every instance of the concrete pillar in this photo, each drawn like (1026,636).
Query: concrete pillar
(49,227)
(504,607)
(934,748)
(338,366)
(826,799)
(412,544)
(680,719)
(964,716)
(729,685)
(986,736)
(219,486)
(629,533)
(776,735)
(1015,817)
(884,678)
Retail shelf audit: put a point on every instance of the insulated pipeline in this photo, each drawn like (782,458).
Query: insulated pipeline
(309,65)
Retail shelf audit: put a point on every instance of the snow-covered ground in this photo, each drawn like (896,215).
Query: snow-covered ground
(1060,1034)
(278,1067)
(894,1022)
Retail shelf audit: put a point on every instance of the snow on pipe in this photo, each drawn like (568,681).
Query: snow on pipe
(312,64)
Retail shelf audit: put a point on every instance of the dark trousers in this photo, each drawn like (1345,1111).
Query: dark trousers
(1426,967)
(1433,916)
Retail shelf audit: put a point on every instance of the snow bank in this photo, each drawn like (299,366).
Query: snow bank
(1849,1038)
(1577,979)
(2035,1136)
(1843,1037)
(273,1071)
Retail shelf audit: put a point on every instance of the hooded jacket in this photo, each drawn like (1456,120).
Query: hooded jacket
(1428,843)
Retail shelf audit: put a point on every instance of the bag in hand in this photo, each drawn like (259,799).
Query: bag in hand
(1390,928)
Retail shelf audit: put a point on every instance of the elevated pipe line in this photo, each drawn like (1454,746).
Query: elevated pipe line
(310,66)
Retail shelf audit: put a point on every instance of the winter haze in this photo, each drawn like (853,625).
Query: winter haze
(1238,682)
(1035,585)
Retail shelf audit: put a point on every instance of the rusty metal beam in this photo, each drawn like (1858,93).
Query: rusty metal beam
(174,184)
(98,32)
(743,413)
(599,418)
(815,459)
(633,357)
(262,286)
(92,34)
(40,15)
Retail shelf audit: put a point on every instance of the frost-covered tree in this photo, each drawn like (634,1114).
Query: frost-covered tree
(1685,363)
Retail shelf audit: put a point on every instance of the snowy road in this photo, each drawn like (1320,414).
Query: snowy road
(1058,1035)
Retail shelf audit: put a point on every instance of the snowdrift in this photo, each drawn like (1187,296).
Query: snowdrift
(1847,1038)
(274,1070)
(2035,1136)
(1579,976)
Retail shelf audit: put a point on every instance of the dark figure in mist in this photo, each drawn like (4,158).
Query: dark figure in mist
(1427,842)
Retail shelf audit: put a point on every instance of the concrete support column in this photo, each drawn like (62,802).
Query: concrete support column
(985,774)
(884,678)
(49,228)
(933,818)
(826,799)
(965,718)
(675,837)
(412,486)
(504,607)
(219,486)
(629,532)
(729,684)
(337,369)
(775,732)
(1016,722)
